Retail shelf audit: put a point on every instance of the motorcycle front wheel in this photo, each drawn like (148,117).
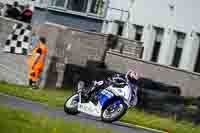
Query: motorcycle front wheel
(71,105)
(113,111)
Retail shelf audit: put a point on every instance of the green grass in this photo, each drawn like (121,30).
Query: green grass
(18,121)
(170,125)
(52,97)
(133,116)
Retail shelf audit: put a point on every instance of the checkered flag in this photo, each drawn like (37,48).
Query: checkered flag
(18,41)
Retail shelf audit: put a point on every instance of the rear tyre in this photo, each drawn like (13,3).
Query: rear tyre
(71,105)
(113,111)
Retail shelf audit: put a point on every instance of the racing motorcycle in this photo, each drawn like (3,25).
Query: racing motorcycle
(109,102)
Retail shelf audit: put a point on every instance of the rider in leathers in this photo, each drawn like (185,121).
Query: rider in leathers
(131,78)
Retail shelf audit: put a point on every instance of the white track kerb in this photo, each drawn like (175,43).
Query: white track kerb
(142,127)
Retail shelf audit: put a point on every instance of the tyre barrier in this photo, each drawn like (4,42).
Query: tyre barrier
(169,105)
(158,86)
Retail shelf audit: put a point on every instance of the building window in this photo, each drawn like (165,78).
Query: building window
(156,50)
(77,5)
(120,29)
(96,7)
(157,44)
(177,56)
(179,48)
(59,3)
(197,65)
(138,34)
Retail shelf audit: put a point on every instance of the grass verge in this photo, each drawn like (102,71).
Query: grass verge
(133,116)
(18,121)
(51,97)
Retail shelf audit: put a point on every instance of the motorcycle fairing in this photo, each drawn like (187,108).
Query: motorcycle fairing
(124,92)
(90,108)
(104,96)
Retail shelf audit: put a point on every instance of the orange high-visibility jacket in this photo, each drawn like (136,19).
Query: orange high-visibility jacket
(34,72)
(40,63)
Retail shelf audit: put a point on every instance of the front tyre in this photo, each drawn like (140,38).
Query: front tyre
(113,111)
(71,105)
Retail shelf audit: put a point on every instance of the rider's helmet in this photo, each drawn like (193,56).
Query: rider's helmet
(132,76)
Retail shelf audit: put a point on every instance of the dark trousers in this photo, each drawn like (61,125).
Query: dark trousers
(32,83)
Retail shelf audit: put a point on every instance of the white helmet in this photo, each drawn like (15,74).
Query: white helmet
(132,76)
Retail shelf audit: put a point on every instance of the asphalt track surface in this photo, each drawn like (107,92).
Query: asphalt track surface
(35,107)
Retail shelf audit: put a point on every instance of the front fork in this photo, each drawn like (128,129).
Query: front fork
(80,89)
(79,95)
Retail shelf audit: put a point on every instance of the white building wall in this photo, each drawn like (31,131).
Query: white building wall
(149,36)
(112,28)
(157,12)
(117,10)
(129,31)
(190,51)
(168,46)
(184,18)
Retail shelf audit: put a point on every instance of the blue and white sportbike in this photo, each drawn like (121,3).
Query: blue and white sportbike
(108,102)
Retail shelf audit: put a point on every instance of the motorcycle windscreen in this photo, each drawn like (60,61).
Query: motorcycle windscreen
(104,96)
